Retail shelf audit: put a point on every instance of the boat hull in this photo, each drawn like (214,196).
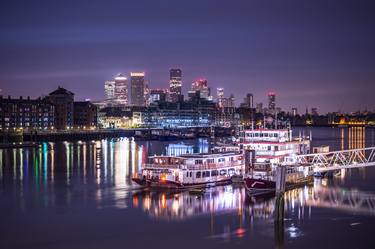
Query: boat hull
(259,186)
(262,186)
(177,185)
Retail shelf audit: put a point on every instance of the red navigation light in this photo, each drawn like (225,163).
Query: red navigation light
(271,93)
(240,232)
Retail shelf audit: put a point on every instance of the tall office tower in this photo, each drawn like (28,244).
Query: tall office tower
(201,86)
(146,93)
(248,101)
(220,97)
(271,101)
(109,91)
(175,84)
(294,111)
(259,107)
(121,89)
(231,101)
(137,82)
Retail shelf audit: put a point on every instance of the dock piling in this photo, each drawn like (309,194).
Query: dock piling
(279,206)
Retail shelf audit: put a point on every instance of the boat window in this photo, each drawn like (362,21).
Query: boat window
(266,134)
(198,175)
(191,173)
(223,172)
(231,171)
(198,162)
(214,173)
(206,174)
(220,160)
(210,160)
(261,134)
(276,148)
(187,173)
(269,148)
(256,134)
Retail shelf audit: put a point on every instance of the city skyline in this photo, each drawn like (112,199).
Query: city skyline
(263,99)
(322,60)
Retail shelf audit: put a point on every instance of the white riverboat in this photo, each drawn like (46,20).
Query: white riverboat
(273,147)
(190,170)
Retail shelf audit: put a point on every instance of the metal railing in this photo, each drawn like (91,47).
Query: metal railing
(344,159)
(208,166)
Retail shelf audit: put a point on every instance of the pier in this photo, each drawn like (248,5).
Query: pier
(137,133)
(335,160)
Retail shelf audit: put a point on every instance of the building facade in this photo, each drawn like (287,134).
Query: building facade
(26,114)
(114,117)
(199,112)
(85,115)
(63,100)
(220,97)
(175,84)
(137,93)
(248,101)
(121,90)
(200,86)
(109,92)
(271,102)
(157,95)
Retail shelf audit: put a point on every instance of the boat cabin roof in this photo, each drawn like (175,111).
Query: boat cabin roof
(200,155)
(266,130)
(207,155)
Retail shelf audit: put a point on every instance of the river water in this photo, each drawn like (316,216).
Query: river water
(79,195)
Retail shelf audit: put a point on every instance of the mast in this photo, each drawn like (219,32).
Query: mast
(276,119)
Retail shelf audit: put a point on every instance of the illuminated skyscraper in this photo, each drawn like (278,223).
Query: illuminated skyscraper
(137,82)
(220,97)
(271,101)
(294,111)
(121,89)
(201,86)
(248,101)
(175,84)
(109,91)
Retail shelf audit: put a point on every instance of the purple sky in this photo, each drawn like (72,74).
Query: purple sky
(317,53)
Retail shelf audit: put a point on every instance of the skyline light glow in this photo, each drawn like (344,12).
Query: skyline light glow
(313,54)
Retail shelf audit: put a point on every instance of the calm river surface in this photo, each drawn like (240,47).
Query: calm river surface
(79,195)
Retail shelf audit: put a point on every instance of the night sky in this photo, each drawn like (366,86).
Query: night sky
(318,53)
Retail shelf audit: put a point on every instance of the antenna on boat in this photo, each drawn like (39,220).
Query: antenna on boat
(264,121)
(290,131)
(276,119)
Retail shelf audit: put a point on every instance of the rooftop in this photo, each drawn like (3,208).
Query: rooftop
(61,90)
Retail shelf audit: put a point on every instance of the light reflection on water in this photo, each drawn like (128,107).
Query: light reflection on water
(174,206)
(97,174)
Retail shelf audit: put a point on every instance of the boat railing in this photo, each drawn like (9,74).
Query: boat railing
(207,166)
